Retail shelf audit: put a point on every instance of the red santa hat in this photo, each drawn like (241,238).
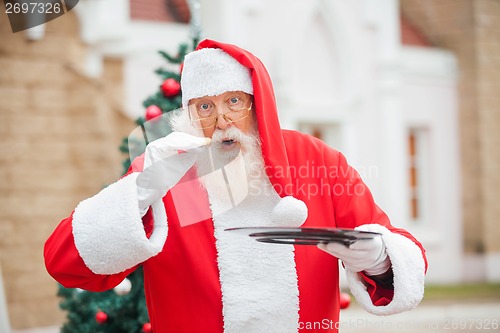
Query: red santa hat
(211,72)
(243,71)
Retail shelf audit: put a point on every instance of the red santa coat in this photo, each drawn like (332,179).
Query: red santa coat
(198,279)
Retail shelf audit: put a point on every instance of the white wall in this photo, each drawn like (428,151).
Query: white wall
(429,101)
(142,59)
(136,41)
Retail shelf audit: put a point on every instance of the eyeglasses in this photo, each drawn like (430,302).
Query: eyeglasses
(204,114)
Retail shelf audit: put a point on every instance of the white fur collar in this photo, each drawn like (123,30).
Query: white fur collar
(258,281)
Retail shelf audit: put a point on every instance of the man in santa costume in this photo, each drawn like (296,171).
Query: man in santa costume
(170,213)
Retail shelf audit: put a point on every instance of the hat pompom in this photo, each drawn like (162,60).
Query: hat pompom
(289,212)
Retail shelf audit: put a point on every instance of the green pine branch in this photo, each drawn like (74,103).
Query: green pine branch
(179,58)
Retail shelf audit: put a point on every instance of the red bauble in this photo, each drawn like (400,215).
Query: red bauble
(101,317)
(146,328)
(171,88)
(152,111)
(345,300)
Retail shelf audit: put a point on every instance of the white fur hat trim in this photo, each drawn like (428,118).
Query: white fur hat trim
(211,72)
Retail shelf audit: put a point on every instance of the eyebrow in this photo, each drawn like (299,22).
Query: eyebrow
(223,95)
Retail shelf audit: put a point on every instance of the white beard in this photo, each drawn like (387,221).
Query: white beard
(229,174)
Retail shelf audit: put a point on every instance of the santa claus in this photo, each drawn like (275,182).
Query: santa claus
(229,164)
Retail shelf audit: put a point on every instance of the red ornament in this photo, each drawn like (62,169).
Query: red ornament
(101,317)
(152,111)
(170,88)
(345,300)
(146,328)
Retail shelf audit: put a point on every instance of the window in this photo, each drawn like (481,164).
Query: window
(329,133)
(418,173)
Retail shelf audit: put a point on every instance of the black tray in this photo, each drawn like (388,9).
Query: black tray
(303,236)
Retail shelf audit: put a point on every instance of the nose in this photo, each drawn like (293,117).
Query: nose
(221,122)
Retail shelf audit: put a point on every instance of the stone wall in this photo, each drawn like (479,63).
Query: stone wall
(471,29)
(59,138)
(487,29)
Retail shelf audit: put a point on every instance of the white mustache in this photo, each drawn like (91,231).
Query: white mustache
(231,133)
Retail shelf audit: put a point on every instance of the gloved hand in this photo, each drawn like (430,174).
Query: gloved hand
(368,255)
(166,161)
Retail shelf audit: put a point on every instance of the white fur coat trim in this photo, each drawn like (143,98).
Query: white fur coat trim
(108,230)
(258,281)
(409,270)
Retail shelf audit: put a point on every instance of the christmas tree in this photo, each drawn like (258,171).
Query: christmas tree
(123,309)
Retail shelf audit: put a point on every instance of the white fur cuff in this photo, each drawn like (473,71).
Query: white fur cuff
(409,270)
(108,230)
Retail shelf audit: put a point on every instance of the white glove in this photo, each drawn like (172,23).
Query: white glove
(166,161)
(368,255)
